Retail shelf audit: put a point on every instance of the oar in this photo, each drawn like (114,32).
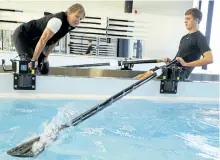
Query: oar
(25,149)
(125,62)
(120,63)
(88,65)
(129,64)
(9,21)
(10,10)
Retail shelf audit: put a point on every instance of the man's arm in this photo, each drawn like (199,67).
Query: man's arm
(207,59)
(165,60)
(204,50)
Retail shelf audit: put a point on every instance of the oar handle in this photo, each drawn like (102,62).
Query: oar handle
(120,63)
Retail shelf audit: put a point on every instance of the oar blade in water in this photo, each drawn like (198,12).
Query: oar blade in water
(25,149)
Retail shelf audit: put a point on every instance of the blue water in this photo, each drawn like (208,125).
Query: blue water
(127,130)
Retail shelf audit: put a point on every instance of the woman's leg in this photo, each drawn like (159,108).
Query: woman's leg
(43,66)
(21,43)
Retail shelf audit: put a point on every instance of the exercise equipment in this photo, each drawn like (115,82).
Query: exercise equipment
(24,78)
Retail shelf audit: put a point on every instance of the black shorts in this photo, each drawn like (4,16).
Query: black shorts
(184,72)
(22,46)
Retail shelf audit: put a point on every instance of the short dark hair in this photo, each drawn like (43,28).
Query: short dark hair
(77,7)
(195,12)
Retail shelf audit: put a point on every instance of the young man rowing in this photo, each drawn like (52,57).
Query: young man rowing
(192,46)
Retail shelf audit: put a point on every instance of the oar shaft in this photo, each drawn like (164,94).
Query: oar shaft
(10,10)
(110,100)
(107,102)
(88,65)
(140,61)
(9,21)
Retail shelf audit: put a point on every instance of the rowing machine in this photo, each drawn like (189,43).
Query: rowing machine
(169,79)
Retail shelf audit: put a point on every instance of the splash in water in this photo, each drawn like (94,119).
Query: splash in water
(64,116)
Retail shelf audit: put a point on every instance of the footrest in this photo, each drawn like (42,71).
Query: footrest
(24,81)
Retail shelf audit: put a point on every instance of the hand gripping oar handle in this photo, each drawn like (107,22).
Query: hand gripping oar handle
(25,149)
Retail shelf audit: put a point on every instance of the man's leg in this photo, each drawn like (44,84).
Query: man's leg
(185,72)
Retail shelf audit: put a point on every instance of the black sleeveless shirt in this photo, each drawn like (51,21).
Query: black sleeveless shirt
(34,28)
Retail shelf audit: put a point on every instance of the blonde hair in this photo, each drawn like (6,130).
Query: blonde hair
(75,8)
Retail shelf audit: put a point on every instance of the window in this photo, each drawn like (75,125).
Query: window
(204,9)
(214,39)
(215,32)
